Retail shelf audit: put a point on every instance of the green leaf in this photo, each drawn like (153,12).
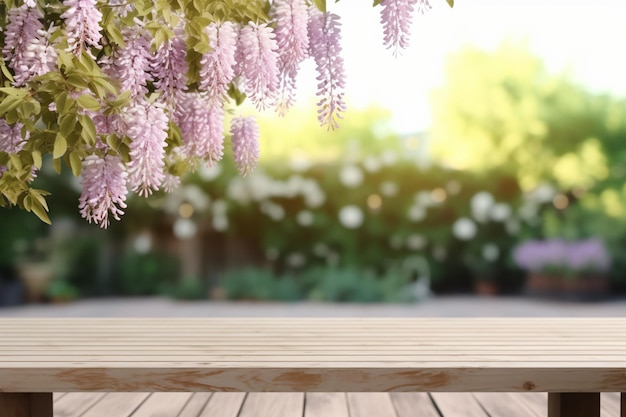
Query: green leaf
(16,161)
(37,160)
(88,102)
(41,212)
(89,129)
(56,164)
(377,2)
(321,5)
(75,163)
(67,124)
(450,3)
(60,146)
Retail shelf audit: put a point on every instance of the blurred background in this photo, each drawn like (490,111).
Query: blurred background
(489,158)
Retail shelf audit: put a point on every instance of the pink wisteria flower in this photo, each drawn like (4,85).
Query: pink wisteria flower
(40,57)
(324,44)
(245,140)
(170,69)
(258,63)
(104,189)
(292,38)
(217,67)
(82,25)
(202,127)
(132,65)
(396,17)
(11,140)
(147,126)
(21,34)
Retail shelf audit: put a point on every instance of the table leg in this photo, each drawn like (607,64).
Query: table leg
(574,404)
(26,405)
(623,405)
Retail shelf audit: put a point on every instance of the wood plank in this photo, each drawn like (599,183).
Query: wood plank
(504,405)
(458,405)
(26,404)
(375,404)
(536,401)
(574,404)
(117,404)
(609,404)
(163,404)
(326,404)
(414,404)
(74,404)
(195,405)
(273,404)
(224,404)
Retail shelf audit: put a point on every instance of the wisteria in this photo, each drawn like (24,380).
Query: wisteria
(258,63)
(133,93)
(292,38)
(82,22)
(325,36)
(218,65)
(147,128)
(245,139)
(104,189)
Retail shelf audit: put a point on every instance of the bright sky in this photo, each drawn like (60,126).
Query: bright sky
(584,36)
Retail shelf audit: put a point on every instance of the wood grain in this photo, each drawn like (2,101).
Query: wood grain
(272,404)
(225,404)
(26,405)
(413,404)
(370,405)
(326,404)
(458,405)
(313,354)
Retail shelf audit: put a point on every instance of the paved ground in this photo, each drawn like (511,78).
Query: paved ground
(451,306)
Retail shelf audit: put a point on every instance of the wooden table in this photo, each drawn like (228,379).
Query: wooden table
(572,359)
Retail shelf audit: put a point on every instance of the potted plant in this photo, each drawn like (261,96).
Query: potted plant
(566,269)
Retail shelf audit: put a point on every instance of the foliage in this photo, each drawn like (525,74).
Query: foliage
(95,84)
(536,125)
(145,273)
(189,288)
(60,290)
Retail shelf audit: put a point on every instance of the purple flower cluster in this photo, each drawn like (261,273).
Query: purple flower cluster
(396,17)
(82,20)
(218,66)
(588,255)
(11,140)
(245,139)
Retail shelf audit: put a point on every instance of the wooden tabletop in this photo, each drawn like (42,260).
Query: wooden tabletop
(313,354)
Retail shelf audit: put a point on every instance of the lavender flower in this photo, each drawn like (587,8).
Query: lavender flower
(396,18)
(324,38)
(147,126)
(245,140)
(293,46)
(258,63)
(202,128)
(132,64)
(170,69)
(22,33)
(218,66)
(559,255)
(104,189)
(11,140)
(82,24)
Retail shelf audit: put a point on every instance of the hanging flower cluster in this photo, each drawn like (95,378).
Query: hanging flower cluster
(132,94)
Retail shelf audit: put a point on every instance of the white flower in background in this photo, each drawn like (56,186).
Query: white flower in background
(185,229)
(210,173)
(500,212)
(320,250)
(220,223)
(491,252)
(351,176)
(453,187)
(305,218)
(299,163)
(272,210)
(528,210)
(416,213)
(512,226)
(142,243)
(372,164)
(191,194)
(296,260)
(464,229)
(220,208)
(481,204)
(237,190)
(389,157)
(424,198)
(351,217)
(544,193)
(416,242)
(389,189)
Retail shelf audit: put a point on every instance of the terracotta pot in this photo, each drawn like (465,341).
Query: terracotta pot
(35,277)
(485,288)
